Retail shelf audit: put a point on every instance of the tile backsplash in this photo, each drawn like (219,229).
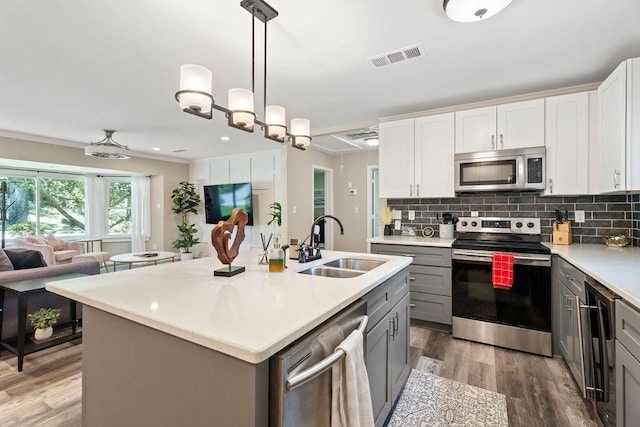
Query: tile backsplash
(604,214)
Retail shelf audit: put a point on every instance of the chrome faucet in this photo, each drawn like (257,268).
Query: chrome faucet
(315,246)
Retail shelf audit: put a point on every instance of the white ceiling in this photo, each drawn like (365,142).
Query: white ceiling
(70,68)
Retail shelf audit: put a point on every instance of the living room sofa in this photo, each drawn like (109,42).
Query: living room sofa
(59,254)
(43,299)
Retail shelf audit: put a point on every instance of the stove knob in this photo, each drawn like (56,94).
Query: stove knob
(530,224)
(518,224)
(474,223)
(464,223)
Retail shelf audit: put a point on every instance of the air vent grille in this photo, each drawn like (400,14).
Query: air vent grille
(399,55)
(178,150)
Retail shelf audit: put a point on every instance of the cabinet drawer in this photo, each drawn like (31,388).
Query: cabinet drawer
(399,286)
(628,327)
(431,308)
(378,303)
(422,255)
(430,280)
(571,277)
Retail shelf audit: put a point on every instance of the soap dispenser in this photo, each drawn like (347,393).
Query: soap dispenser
(276,257)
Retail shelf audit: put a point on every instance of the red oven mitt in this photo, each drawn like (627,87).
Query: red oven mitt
(502,271)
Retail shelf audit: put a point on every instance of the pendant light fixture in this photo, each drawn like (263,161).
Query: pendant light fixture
(473,10)
(107,148)
(195,94)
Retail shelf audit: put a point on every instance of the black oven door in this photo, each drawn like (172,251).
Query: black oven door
(526,305)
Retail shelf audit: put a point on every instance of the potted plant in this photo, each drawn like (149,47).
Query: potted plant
(43,320)
(275,211)
(185,200)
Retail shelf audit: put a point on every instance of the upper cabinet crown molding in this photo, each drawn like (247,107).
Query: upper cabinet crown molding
(507,126)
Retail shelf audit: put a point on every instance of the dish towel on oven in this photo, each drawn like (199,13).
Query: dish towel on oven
(502,271)
(350,395)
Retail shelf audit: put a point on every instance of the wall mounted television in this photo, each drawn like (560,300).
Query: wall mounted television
(219,201)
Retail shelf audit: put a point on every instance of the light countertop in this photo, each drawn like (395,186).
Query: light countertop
(250,316)
(616,268)
(413,241)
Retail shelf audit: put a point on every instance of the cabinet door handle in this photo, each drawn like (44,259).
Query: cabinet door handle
(417,190)
(410,190)
(550,185)
(493,144)
(391,329)
(616,178)
(396,324)
(411,255)
(501,141)
(569,303)
(412,306)
(412,278)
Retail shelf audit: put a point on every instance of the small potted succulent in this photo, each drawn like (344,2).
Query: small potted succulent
(43,321)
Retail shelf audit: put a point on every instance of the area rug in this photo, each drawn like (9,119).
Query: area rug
(432,401)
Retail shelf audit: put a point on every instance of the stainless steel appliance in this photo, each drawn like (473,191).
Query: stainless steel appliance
(300,376)
(518,318)
(599,364)
(518,169)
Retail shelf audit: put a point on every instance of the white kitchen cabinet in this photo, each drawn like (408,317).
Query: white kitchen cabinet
(434,150)
(619,100)
(567,144)
(507,126)
(416,157)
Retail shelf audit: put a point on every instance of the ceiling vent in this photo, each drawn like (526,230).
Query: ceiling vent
(399,55)
(178,150)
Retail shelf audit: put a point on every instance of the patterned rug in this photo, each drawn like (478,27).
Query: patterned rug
(432,401)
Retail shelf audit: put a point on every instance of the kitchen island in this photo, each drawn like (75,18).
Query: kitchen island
(174,345)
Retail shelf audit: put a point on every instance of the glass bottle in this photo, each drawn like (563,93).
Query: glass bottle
(276,257)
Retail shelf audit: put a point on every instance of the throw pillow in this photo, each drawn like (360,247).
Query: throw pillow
(36,240)
(5,262)
(54,242)
(25,258)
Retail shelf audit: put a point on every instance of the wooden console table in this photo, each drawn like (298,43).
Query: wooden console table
(19,345)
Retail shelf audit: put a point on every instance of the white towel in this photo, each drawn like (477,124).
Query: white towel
(350,394)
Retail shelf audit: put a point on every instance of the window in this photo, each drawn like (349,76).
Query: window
(61,207)
(20,201)
(119,208)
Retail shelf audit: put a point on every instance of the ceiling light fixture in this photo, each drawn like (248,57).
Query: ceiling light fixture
(473,10)
(107,148)
(196,84)
(371,142)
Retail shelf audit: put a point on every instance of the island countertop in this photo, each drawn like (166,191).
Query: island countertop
(250,316)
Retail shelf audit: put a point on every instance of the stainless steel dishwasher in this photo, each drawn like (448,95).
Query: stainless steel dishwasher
(300,375)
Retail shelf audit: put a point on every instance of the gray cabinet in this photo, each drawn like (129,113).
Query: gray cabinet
(430,280)
(387,343)
(568,291)
(627,364)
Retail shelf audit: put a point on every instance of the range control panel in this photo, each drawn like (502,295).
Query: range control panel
(498,225)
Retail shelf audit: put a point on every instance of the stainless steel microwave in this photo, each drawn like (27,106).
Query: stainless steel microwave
(517,169)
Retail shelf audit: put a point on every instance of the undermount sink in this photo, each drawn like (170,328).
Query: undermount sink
(355,263)
(343,268)
(331,272)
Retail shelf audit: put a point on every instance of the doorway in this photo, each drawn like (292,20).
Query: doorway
(322,203)
(373,201)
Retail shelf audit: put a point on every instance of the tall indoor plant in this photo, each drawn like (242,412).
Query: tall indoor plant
(185,200)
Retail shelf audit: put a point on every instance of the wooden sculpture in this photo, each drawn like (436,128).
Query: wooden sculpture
(220,236)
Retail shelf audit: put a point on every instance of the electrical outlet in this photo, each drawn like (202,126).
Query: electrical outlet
(474,214)
(397,225)
(294,209)
(356,210)
(154,247)
(412,215)
(396,215)
(580,217)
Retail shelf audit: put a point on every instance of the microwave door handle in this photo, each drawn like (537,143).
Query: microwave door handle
(604,354)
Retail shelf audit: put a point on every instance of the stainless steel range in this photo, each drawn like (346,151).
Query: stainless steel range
(518,318)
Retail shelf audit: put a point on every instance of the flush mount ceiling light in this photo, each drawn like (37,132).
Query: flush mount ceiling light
(196,84)
(473,10)
(372,142)
(107,148)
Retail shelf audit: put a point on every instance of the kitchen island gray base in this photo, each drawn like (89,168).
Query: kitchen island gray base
(133,375)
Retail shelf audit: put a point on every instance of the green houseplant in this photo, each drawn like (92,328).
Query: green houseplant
(185,200)
(275,212)
(43,320)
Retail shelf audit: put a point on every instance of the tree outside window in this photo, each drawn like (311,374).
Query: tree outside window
(62,204)
(21,202)
(119,209)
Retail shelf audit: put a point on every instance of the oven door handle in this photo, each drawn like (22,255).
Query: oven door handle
(483,256)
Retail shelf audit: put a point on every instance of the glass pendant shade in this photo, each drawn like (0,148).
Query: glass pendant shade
(473,10)
(196,78)
(275,119)
(241,107)
(301,131)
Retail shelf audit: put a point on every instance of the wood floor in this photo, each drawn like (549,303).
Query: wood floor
(539,390)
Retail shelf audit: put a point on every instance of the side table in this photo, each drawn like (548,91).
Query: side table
(24,289)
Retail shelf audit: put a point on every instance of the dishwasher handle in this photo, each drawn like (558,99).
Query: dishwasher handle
(323,365)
